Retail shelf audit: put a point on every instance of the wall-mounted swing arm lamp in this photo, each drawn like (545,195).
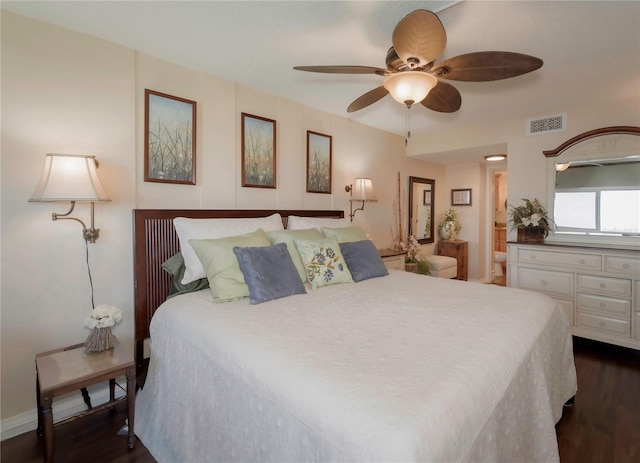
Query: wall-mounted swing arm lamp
(69,177)
(361,191)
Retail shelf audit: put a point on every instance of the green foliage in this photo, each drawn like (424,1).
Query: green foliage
(424,267)
(531,215)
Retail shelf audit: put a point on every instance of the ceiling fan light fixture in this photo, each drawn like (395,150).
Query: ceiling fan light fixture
(410,86)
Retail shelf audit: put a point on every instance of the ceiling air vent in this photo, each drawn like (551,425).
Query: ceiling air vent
(547,124)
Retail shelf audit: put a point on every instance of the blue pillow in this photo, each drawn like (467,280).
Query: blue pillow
(269,272)
(363,260)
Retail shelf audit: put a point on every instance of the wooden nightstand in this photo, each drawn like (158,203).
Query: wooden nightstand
(64,370)
(393,260)
(459,250)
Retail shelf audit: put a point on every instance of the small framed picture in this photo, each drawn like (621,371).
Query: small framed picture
(426,197)
(318,162)
(170,139)
(258,152)
(461,197)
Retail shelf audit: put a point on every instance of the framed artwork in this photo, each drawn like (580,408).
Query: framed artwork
(258,152)
(426,198)
(169,139)
(461,197)
(318,162)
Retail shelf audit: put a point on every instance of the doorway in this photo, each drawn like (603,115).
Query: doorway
(497,245)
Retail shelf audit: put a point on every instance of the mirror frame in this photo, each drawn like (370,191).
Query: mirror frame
(425,181)
(615,140)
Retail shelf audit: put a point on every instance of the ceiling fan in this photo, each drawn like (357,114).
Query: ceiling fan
(413,76)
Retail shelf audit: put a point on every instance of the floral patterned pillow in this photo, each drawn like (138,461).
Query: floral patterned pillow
(323,262)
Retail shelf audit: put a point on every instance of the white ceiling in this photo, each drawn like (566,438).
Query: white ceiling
(588,48)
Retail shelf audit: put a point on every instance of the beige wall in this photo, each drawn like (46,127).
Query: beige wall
(70,93)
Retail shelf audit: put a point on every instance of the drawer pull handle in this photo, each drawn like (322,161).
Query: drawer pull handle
(602,285)
(543,282)
(581,261)
(625,266)
(603,305)
(602,324)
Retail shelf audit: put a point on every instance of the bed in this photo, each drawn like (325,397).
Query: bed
(400,367)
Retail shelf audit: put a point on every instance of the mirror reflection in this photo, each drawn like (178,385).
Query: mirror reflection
(421,201)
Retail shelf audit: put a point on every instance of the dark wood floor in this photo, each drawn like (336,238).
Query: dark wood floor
(602,426)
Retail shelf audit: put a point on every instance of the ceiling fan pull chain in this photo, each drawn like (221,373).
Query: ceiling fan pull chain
(408,121)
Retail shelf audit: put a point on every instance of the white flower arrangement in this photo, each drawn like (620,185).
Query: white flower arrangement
(103,316)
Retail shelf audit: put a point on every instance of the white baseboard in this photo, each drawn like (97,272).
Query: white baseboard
(63,408)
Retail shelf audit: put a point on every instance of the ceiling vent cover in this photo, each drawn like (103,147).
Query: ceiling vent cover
(547,124)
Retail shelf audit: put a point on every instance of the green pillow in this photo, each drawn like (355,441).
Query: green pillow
(287,237)
(221,265)
(323,262)
(345,234)
(175,267)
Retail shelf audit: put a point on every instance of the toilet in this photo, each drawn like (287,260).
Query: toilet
(499,261)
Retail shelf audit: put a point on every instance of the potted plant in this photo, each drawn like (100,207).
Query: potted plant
(449,226)
(531,221)
(414,261)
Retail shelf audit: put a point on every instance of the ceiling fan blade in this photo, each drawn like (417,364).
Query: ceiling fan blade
(367,99)
(486,65)
(444,98)
(419,38)
(339,69)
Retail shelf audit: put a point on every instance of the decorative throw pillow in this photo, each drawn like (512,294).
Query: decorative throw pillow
(295,222)
(344,234)
(197,229)
(323,262)
(221,265)
(174,266)
(363,260)
(287,237)
(269,272)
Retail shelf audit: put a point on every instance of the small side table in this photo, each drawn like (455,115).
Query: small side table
(459,250)
(393,260)
(64,370)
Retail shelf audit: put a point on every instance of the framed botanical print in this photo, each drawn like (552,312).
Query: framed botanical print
(318,162)
(169,139)
(258,152)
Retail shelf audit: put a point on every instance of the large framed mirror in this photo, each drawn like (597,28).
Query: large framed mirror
(594,187)
(421,202)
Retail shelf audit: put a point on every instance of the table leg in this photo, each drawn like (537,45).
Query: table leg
(86,397)
(38,405)
(47,422)
(112,393)
(131,403)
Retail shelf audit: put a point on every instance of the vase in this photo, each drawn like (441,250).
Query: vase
(411,267)
(531,235)
(99,339)
(448,231)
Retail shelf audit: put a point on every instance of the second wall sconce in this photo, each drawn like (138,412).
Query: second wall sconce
(361,191)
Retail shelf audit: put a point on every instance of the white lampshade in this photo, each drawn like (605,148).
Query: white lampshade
(363,190)
(69,177)
(410,86)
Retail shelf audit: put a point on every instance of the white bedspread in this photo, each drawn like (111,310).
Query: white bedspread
(400,368)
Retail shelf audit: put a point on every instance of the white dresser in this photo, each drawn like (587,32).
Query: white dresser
(598,288)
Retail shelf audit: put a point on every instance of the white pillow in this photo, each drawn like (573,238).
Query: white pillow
(302,223)
(198,229)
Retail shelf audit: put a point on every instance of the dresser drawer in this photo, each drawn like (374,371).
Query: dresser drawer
(603,285)
(608,305)
(560,259)
(623,265)
(547,281)
(604,325)
(394,262)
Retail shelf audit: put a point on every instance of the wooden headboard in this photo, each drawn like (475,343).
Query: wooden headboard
(155,240)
